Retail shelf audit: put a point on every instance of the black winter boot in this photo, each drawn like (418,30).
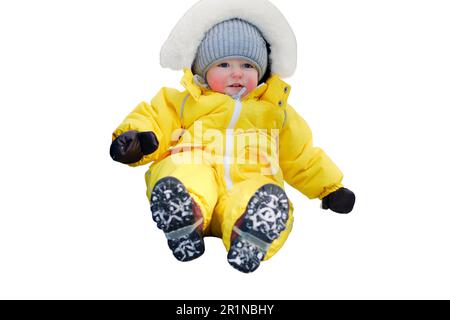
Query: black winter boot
(177,214)
(263,221)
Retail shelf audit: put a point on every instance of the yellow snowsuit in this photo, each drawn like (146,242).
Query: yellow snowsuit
(224,149)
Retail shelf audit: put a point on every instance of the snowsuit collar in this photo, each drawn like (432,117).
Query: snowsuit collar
(275,90)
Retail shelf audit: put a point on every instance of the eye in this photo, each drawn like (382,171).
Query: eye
(224,65)
(247,66)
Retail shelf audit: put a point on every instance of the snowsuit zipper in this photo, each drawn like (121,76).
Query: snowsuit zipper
(229,137)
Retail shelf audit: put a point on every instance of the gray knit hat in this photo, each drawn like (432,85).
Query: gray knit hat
(231,39)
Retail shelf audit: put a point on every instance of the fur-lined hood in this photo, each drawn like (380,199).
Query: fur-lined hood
(180,48)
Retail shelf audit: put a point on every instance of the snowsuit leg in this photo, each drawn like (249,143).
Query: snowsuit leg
(232,205)
(199,179)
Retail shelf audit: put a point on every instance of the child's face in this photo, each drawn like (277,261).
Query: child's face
(230,76)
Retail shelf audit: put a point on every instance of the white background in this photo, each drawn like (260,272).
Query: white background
(373,83)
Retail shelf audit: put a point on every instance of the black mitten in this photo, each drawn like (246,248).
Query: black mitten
(131,146)
(340,201)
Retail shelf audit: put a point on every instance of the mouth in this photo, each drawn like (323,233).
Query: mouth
(236,85)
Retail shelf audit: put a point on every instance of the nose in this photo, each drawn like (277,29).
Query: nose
(236,72)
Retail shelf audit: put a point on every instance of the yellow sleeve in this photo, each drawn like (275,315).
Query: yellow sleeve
(159,116)
(305,167)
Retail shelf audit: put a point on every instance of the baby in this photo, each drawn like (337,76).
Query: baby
(222,148)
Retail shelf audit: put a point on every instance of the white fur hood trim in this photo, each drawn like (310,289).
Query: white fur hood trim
(180,48)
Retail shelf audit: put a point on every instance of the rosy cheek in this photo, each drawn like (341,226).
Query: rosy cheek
(252,82)
(216,82)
